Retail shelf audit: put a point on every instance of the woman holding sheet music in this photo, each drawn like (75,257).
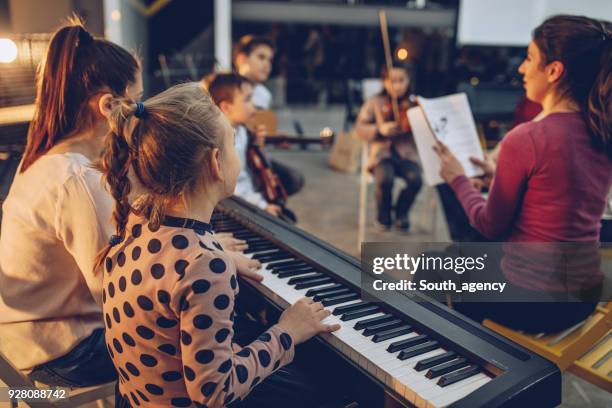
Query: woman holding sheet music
(553,174)
(392,152)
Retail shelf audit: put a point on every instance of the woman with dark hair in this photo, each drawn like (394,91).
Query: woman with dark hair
(57,215)
(552,176)
(392,152)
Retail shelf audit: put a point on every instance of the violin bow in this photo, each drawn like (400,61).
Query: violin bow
(384,30)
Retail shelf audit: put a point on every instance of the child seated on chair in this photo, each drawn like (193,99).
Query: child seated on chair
(392,151)
(169,288)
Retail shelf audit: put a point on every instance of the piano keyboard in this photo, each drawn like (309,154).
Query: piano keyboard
(415,363)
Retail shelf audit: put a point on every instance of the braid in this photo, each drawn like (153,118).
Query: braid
(115,166)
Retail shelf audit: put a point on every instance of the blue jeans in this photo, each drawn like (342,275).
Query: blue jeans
(85,365)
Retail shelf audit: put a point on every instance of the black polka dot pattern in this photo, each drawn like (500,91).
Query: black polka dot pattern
(265,337)
(222,335)
(109,324)
(189,373)
(136,253)
(264,358)
(142,396)
(171,376)
(136,277)
(222,302)
(136,230)
(132,369)
(118,347)
(204,356)
(158,270)
(111,290)
(168,349)
(200,286)
(180,242)
(123,374)
(165,323)
(242,373)
(145,332)
(154,389)
(245,352)
(180,266)
(145,303)
(108,263)
(208,389)
(128,310)
(255,381)
(233,282)
(225,366)
(217,265)
(180,402)
(154,246)
(286,341)
(127,339)
(163,296)
(202,322)
(103,296)
(122,284)
(121,258)
(148,360)
(185,338)
(116,315)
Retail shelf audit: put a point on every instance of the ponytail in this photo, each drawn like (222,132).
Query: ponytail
(75,68)
(600,100)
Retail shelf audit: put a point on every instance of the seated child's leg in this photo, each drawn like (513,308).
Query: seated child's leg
(411,173)
(384,174)
(292,180)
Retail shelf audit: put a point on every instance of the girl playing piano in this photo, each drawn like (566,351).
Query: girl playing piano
(169,288)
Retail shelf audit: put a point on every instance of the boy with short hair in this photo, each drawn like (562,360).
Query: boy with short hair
(253,60)
(233,95)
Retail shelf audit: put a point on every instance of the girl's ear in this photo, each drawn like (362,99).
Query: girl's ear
(555,71)
(225,107)
(215,165)
(105,105)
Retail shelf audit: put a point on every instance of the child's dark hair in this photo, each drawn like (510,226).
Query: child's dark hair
(76,67)
(222,87)
(584,46)
(247,43)
(164,143)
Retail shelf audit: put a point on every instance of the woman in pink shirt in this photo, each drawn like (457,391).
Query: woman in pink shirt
(552,176)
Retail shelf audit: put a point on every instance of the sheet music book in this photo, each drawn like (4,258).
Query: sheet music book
(448,119)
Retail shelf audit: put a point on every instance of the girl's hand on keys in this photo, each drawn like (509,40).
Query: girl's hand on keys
(303,320)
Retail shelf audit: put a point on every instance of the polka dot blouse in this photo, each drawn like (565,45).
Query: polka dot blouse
(168,303)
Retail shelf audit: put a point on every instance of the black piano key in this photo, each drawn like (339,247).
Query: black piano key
(314,292)
(335,300)
(279,264)
(382,327)
(302,279)
(418,350)
(314,283)
(356,314)
(298,272)
(245,235)
(372,321)
(446,368)
(291,268)
(336,292)
(407,343)
(392,333)
(260,248)
(351,308)
(435,360)
(256,241)
(268,257)
(456,376)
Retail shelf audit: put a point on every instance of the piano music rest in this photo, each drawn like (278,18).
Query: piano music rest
(566,347)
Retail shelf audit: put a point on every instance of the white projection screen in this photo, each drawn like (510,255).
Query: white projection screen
(509,23)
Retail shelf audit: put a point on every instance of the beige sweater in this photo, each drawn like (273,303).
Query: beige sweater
(55,219)
(168,308)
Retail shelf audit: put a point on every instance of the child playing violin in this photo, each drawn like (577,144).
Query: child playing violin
(233,95)
(392,152)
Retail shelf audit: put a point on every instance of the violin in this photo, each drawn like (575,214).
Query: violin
(403,104)
(271,187)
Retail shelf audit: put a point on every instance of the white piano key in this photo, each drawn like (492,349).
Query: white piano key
(451,395)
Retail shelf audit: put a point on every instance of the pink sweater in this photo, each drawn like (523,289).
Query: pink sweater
(550,186)
(168,305)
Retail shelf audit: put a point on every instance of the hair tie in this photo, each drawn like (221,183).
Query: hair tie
(114,240)
(140,111)
(84,37)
